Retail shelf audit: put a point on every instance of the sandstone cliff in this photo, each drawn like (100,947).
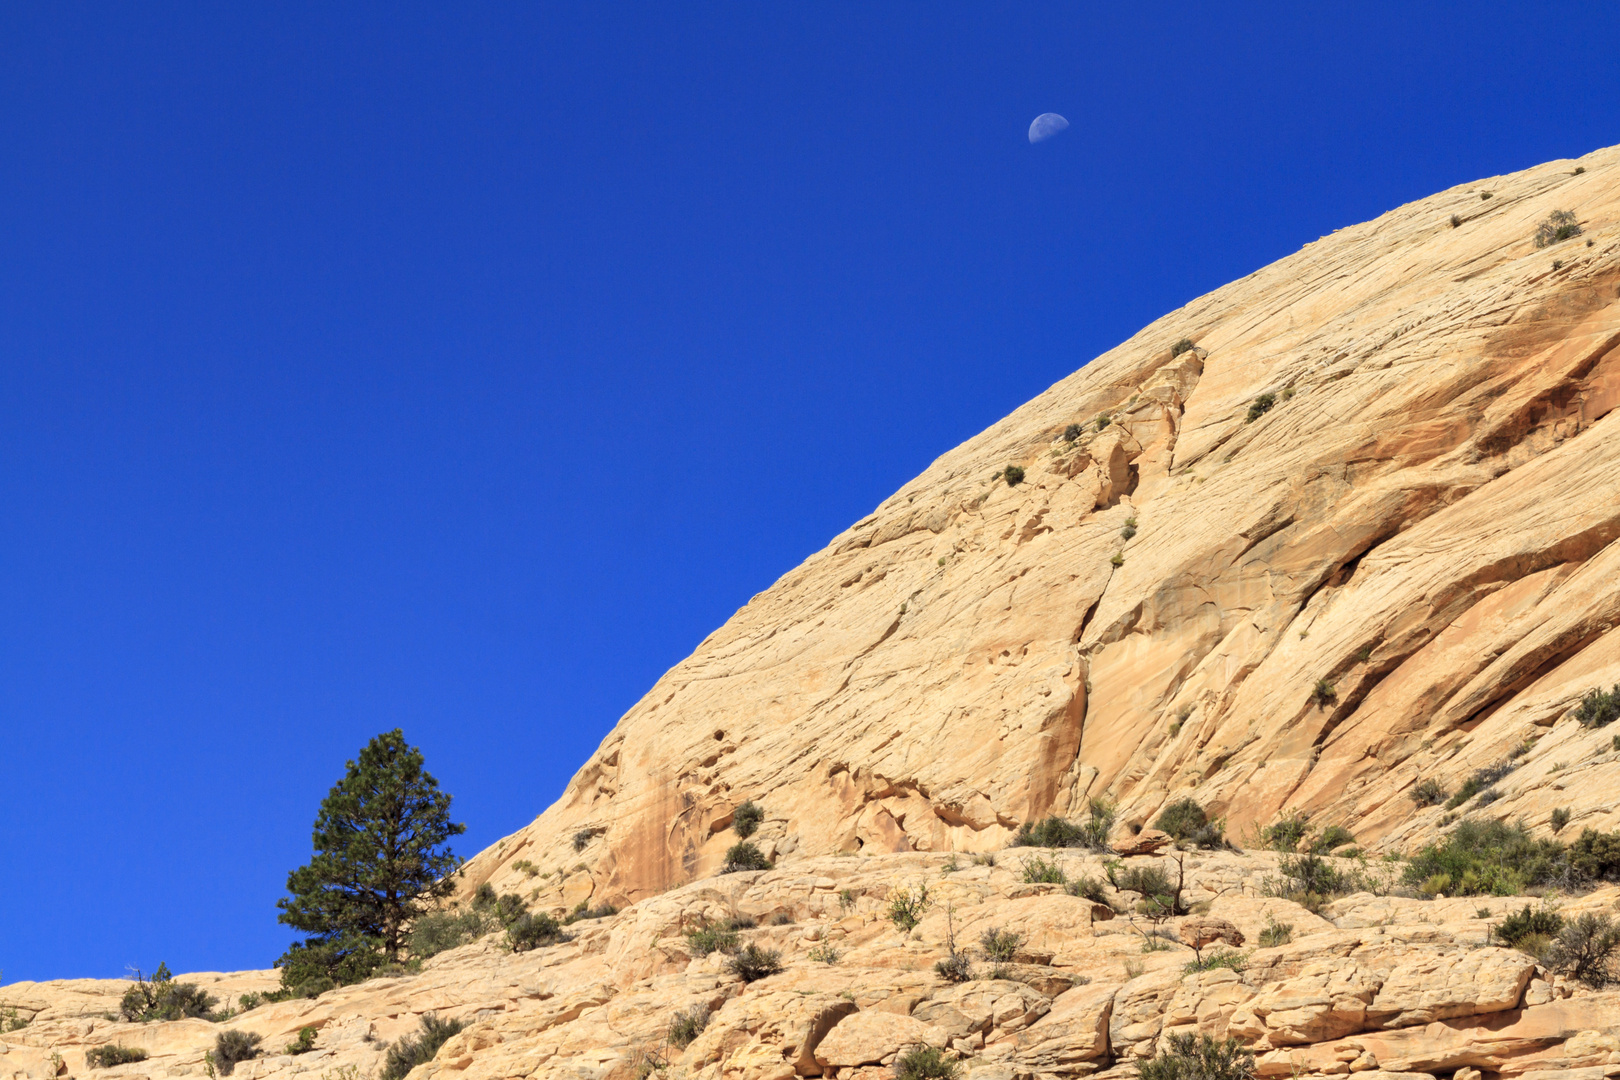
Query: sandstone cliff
(1423,519)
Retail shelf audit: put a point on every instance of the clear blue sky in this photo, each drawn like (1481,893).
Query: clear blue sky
(459,368)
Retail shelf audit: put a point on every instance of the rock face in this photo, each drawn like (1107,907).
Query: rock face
(1422,521)
(1376,985)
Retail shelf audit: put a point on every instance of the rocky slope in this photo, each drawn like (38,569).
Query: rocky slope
(1424,519)
(1381,986)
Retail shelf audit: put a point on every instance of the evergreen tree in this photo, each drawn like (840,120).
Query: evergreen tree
(379,858)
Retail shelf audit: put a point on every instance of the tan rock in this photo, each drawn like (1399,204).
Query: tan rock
(1200,930)
(867,1038)
(1146,842)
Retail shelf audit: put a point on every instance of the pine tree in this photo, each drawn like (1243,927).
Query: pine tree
(379,858)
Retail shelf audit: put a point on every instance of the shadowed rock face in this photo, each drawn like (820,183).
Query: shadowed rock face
(1424,518)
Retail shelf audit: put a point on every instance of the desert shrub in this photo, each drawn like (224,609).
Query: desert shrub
(1043,871)
(1559,226)
(1160,899)
(1073,432)
(232,1047)
(954,968)
(1103,421)
(581,838)
(1117,559)
(1599,708)
(437,931)
(1595,856)
(1051,833)
(745,821)
(105,1057)
(1014,475)
(1455,221)
(1586,949)
(304,1043)
(1088,887)
(1540,922)
(906,907)
(1312,875)
(1185,820)
(1334,836)
(1275,933)
(1479,780)
(1000,945)
(687,1025)
(410,1051)
(583,910)
(1286,832)
(744,856)
(531,931)
(161,998)
(1199,1057)
(823,954)
(752,963)
(780,918)
(1486,797)
(1488,857)
(1217,958)
(1428,793)
(1324,693)
(1127,532)
(739,921)
(711,937)
(925,1063)
(1181,346)
(1485,195)
(528,868)
(1260,406)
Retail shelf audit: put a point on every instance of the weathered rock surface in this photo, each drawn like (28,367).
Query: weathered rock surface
(1425,519)
(1383,986)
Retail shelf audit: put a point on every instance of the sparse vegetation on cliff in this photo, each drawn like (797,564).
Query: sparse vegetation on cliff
(907,905)
(1187,822)
(410,1051)
(233,1047)
(1428,792)
(110,1054)
(687,1025)
(752,963)
(1056,832)
(744,856)
(1184,345)
(1599,708)
(1199,1057)
(1559,226)
(746,820)
(1014,475)
(1260,406)
(533,930)
(925,1063)
(161,998)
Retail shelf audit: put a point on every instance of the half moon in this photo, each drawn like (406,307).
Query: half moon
(1045,126)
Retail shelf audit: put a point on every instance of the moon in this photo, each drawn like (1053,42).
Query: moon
(1045,126)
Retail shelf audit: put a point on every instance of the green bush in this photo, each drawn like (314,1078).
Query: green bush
(1199,1057)
(105,1057)
(1186,821)
(1260,406)
(583,911)
(1103,421)
(1014,475)
(823,954)
(410,1051)
(746,820)
(1073,432)
(532,930)
(1559,226)
(1312,875)
(744,856)
(1489,857)
(312,967)
(161,998)
(1160,899)
(1334,836)
(1286,832)
(1324,693)
(1455,221)
(232,1047)
(752,963)
(582,838)
(687,1025)
(304,1043)
(1039,871)
(1217,958)
(906,907)
(1586,949)
(1541,922)
(710,938)
(1599,708)
(1275,933)
(925,1063)
(1180,347)
(1056,832)
(1088,887)
(1480,780)
(1000,945)
(954,968)
(1428,793)
(1560,818)
(438,931)
(1595,856)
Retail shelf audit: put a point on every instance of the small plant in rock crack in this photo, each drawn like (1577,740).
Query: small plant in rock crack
(1089,888)
(1599,708)
(1184,345)
(746,819)
(824,954)
(687,1025)
(1324,693)
(743,856)
(1559,226)
(1560,818)
(232,1047)
(1275,933)
(1230,959)
(409,1051)
(1000,946)
(1014,475)
(1073,432)
(1455,221)
(1043,871)
(752,963)
(1198,1057)
(105,1057)
(1428,792)
(906,907)
(581,838)
(304,1043)
(925,1063)
(1260,406)
(711,937)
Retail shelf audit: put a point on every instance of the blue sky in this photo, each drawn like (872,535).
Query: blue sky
(458,368)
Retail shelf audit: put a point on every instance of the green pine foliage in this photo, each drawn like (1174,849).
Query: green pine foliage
(747,819)
(380,860)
